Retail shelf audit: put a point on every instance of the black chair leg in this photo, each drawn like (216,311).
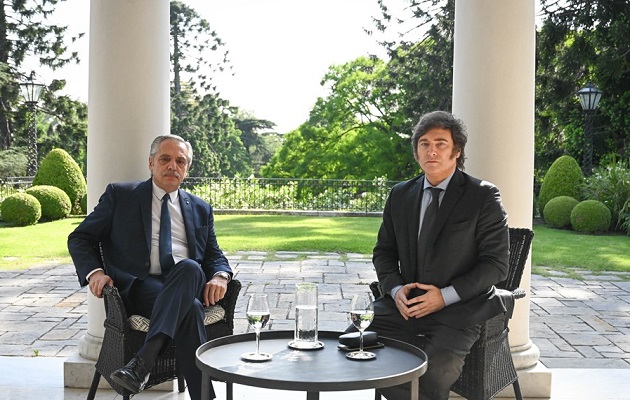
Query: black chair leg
(517,390)
(181,384)
(95,380)
(377,395)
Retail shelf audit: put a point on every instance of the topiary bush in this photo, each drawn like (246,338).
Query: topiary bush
(557,212)
(84,204)
(54,201)
(590,216)
(563,178)
(21,209)
(60,170)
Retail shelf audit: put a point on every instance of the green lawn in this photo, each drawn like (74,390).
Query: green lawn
(23,247)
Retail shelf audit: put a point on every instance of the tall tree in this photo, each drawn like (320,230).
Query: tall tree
(197,51)
(257,137)
(25,32)
(198,113)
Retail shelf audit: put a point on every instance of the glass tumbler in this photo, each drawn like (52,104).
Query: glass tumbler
(306,311)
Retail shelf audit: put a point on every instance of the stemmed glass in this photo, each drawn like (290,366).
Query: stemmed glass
(361,315)
(257,315)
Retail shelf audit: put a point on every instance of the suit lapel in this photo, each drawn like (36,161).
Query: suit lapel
(453,192)
(189,223)
(146,193)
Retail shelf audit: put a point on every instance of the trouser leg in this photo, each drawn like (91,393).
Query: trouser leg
(174,308)
(446,349)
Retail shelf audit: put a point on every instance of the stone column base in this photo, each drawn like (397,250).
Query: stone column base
(78,373)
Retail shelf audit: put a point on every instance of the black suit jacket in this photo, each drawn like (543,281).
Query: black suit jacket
(120,227)
(470,248)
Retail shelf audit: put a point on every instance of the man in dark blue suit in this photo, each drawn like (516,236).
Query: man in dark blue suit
(162,254)
(439,275)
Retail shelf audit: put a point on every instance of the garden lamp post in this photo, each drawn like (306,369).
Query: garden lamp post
(31,92)
(589,99)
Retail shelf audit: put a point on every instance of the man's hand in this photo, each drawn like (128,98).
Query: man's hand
(419,306)
(98,281)
(214,291)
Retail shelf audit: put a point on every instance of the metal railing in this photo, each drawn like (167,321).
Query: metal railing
(286,194)
(14,184)
(291,194)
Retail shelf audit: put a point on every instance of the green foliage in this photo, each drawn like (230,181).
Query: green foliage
(21,209)
(13,162)
(590,216)
(557,212)
(563,179)
(611,185)
(27,34)
(54,201)
(64,126)
(257,138)
(582,41)
(60,170)
(347,135)
(84,204)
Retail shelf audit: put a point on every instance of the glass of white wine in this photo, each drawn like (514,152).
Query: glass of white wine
(361,315)
(257,315)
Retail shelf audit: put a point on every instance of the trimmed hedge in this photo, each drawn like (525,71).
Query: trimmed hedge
(590,216)
(557,212)
(60,170)
(54,201)
(563,178)
(21,209)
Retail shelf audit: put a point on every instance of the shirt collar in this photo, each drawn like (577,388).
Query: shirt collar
(159,193)
(442,185)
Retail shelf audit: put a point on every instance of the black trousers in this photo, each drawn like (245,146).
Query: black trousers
(446,349)
(174,306)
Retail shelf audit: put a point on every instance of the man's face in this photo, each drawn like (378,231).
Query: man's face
(170,165)
(436,155)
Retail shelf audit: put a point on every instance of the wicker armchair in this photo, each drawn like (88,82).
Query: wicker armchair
(121,340)
(489,368)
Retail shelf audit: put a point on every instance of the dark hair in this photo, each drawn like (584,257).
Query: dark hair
(442,120)
(158,140)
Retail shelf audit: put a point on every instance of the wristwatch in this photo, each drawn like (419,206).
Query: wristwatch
(222,274)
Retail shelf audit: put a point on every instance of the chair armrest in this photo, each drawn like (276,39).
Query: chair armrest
(115,313)
(228,302)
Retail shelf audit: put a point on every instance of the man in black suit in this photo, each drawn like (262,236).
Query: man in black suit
(162,254)
(439,278)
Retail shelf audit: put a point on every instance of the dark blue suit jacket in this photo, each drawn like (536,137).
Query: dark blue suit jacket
(120,228)
(470,249)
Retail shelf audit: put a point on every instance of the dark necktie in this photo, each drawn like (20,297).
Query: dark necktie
(166,244)
(428,224)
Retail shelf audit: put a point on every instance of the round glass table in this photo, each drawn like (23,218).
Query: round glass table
(313,371)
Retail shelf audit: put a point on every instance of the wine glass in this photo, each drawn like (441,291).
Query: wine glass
(257,316)
(361,315)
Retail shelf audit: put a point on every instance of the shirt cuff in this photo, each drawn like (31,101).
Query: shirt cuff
(395,290)
(87,278)
(223,274)
(450,296)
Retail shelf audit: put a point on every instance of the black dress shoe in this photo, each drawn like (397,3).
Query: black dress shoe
(132,376)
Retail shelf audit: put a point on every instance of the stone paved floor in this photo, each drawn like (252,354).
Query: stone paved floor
(576,323)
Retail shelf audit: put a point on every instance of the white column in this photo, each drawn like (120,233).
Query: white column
(128,105)
(493,93)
